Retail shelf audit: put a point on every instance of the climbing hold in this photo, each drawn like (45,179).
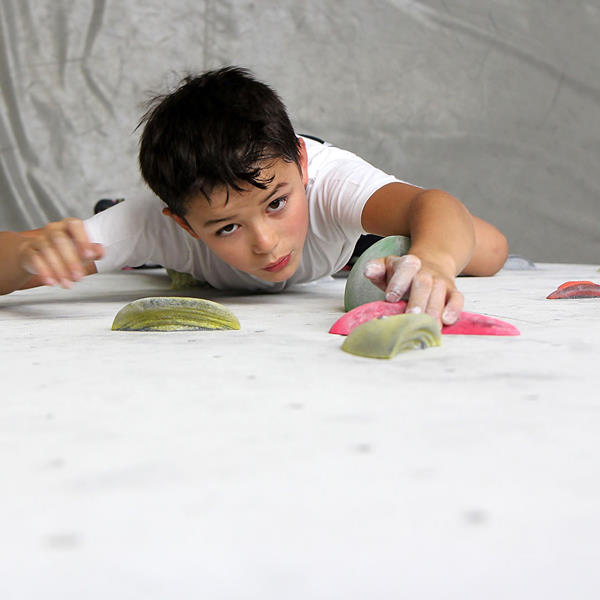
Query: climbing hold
(365,312)
(359,290)
(468,323)
(174,314)
(516,262)
(181,281)
(475,324)
(387,336)
(576,289)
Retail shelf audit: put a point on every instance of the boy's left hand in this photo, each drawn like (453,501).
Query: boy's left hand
(424,283)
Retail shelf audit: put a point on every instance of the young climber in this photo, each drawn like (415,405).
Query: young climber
(239,201)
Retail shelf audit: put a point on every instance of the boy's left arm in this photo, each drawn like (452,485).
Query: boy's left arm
(446,240)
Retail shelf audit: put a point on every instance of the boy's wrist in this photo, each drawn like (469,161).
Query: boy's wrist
(13,275)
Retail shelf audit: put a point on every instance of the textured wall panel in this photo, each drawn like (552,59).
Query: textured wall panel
(497,102)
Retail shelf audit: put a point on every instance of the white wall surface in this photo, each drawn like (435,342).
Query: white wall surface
(267,464)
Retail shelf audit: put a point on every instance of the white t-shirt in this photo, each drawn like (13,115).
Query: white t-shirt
(135,232)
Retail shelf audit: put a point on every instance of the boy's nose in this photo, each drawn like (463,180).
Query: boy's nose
(265,239)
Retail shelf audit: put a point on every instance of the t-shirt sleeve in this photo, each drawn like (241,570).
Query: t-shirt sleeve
(132,234)
(342,185)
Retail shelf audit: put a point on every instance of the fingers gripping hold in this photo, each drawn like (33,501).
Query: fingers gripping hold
(393,274)
(400,273)
(424,285)
(420,291)
(375,272)
(427,295)
(453,308)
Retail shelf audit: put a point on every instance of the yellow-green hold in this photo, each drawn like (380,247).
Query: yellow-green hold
(181,281)
(387,336)
(174,314)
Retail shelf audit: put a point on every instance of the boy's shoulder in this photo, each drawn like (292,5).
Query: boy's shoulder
(320,152)
(339,185)
(336,174)
(327,161)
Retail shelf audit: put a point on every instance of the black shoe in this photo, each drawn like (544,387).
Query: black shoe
(105,203)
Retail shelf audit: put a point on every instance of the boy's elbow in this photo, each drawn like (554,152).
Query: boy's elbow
(488,258)
(497,255)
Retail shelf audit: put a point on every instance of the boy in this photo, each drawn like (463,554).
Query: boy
(241,202)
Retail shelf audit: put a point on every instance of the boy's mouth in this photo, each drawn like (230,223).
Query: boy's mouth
(278,264)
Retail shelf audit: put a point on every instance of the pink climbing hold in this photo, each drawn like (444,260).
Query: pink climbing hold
(468,323)
(474,324)
(365,312)
(576,289)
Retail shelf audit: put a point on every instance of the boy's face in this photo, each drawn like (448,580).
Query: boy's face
(260,232)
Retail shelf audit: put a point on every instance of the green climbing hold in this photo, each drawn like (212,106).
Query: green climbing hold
(387,336)
(181,281)
(359,290)
(174,314)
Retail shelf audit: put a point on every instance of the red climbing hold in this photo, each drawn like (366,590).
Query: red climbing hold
(576,289)
(468,324)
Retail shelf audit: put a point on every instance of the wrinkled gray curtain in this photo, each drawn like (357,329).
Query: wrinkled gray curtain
(496,101)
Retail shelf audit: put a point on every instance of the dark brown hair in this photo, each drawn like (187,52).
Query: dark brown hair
(215,129)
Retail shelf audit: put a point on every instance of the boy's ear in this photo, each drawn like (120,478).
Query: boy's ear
(303,161)
(180,221)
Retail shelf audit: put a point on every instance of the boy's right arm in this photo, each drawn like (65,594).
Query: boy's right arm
(57,254)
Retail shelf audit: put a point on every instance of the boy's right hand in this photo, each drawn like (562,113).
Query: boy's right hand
(59,253)
(428,287)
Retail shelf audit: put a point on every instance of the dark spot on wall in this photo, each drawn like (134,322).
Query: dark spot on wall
(475,517)
(62,541)
(55,463)
(363,448)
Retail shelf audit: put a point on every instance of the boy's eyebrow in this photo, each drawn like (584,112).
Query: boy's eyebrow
(280,185)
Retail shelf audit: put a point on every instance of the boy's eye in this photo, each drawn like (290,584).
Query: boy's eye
(277,205)
(227,230)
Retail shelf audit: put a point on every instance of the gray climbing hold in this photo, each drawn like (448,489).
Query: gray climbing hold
(516,262)
(359,290)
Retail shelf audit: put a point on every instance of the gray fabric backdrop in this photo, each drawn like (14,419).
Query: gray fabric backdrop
(496,101)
